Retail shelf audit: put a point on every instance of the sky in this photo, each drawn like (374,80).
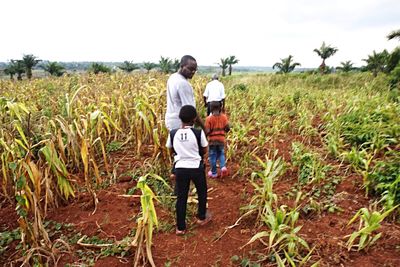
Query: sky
(257,32)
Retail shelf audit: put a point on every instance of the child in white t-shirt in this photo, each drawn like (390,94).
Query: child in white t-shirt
(189,145)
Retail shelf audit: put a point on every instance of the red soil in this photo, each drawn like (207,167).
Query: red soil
(205,246)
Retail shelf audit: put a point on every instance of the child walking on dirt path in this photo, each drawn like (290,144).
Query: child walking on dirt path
(189,145)
(217,125)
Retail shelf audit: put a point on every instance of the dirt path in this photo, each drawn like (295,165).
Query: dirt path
(207,245)
(204,246)
(201,246)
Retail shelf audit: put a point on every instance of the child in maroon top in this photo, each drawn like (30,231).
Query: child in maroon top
(216,126)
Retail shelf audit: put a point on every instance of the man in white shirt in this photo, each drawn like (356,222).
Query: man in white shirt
(215,91)
(180,92)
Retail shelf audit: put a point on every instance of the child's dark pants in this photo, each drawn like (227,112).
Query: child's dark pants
(183,178)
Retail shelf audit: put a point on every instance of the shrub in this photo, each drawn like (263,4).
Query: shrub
(240,87)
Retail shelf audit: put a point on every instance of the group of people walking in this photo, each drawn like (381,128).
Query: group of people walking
(188,144)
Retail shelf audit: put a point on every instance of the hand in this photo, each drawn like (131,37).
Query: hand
(198,121)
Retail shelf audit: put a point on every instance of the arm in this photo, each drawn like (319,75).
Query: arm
(205,96)
(227,128)
(204,143)
(223,96)
(199,122)
(170,147)
(171,153)
(205,150)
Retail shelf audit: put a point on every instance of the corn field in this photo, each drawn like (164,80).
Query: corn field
(57,134)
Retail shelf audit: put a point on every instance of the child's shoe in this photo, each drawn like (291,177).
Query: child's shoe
(211,175)
(224,172)
(180,232)
(205,221)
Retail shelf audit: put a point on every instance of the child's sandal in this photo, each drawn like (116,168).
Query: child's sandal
(180,232)
(205,221)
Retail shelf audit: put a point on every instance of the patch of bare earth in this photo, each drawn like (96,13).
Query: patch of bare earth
(213,244)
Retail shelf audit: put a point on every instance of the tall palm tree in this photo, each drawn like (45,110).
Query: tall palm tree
(10,70)
(149,66)
(176,64)
(325,51)
(377,62)
(286,65)
(166,64)
(223,65)
(128,66)
(54,68)
(393,60)
(99,67)
(394,34)
(347,66)
(232,60)
(19,68)
(29,61)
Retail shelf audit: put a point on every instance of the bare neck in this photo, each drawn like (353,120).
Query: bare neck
(187,125)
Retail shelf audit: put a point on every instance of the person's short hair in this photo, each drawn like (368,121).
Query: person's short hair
(187,114)
(215,105)
(215,76)
(185,60)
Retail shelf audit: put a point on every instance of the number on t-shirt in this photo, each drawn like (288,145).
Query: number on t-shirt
(183,136)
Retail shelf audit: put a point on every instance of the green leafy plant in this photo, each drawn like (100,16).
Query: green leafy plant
(97,68)
(321,197)
(244,262)
(113,146)
(146,223)
(334,143)
(369,125)
(296,98)
(370,222)
(282,237)
(304,122)
(286,65)
(7,238)
(384,180)
(263,182)
(120,248)
(311,168)
(240,87)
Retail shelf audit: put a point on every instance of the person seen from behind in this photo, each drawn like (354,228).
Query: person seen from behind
(217,125)
(188,145)
(180,92)
(215,91)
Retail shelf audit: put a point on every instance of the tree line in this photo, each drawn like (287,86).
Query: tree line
(165,64)
(376,62)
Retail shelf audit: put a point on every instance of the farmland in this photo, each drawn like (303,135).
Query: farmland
(314,177)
